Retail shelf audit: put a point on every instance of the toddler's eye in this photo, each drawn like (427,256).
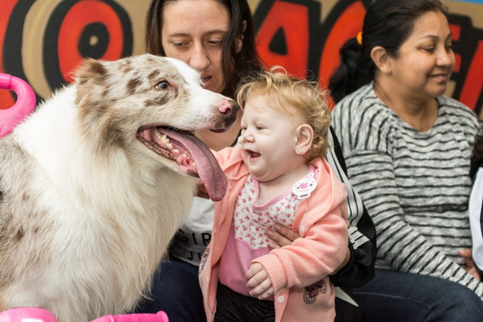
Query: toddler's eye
(162,85)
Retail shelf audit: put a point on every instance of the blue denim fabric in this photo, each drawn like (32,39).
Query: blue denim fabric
(390,297)
(401,297)
(177,292)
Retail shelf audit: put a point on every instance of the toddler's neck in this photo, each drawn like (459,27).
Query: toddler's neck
(270,189)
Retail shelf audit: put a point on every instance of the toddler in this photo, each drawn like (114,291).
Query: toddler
(276,174)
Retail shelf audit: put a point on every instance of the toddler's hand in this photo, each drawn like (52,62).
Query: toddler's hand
(257,275)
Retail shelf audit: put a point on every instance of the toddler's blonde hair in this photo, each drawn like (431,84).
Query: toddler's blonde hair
(309,101)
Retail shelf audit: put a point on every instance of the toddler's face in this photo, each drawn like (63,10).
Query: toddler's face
(268,140)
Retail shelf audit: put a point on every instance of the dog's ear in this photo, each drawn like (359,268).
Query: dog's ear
(92,81)
(91,70)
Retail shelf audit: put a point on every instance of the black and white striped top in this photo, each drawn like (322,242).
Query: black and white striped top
(415,185)
(355,207)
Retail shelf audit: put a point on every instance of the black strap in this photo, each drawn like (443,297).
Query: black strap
(338,150)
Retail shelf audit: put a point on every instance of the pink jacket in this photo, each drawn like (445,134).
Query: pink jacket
(320,221)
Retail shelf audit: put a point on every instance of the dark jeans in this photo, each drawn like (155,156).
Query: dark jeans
(235,307)
(177,292)
(400,297)
(390,297)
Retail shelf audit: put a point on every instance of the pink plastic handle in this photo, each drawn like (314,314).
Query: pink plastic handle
(27,314)
(36,314)
(158,317)
(25,104)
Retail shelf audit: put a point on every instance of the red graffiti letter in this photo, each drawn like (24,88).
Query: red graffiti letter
(81,14)
(292,20)
(474,82)
(347,26)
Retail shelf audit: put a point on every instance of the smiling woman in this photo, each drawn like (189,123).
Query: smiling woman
(407,148)
(420,72)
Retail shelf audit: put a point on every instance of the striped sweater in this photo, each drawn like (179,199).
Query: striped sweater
(415,185)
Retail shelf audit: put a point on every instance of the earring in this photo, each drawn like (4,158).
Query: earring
(388,71)
(298,152)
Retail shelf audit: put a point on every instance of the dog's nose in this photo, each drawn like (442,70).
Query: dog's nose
(225,107)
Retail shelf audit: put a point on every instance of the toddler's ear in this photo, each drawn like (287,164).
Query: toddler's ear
(305,136)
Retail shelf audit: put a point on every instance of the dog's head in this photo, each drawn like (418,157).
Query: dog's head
(150,105)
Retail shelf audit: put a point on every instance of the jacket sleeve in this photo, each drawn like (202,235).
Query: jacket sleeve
(362,232)
(309,259)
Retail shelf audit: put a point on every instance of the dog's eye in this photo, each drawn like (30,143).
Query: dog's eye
(162,85)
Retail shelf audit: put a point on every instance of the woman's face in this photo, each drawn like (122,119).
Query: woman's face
(193,31)
(426,59)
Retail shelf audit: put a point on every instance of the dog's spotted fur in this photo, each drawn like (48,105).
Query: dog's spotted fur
(87,208)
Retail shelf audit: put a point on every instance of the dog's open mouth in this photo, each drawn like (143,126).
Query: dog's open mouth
(190,155)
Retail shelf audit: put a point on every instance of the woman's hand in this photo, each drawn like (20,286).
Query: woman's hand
(280,236)
(467,254)
(201,191)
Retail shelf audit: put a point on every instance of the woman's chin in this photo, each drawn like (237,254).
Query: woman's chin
(213,86)
(439,89)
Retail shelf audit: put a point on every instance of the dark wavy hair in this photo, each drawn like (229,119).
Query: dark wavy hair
(387,23)
(235,65)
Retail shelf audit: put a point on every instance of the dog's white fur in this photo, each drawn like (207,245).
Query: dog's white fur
(86,209)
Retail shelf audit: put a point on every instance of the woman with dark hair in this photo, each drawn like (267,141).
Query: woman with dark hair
(216,37)
(407,149)
(239,56)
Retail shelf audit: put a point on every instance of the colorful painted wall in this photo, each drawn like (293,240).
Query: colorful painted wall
(42,41)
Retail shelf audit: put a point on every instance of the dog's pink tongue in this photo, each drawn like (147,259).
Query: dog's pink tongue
(207,167)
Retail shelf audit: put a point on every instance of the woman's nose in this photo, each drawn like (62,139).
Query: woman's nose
(446,58)
(199,58)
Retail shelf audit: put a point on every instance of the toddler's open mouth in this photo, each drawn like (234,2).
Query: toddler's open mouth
(253,154)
